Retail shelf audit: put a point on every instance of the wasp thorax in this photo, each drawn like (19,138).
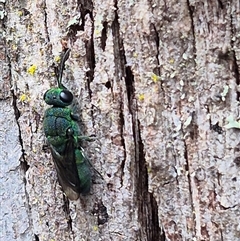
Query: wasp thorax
(58,97)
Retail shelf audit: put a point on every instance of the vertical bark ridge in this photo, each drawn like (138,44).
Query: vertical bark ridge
(119,59)
(147,206)
(235,67)
(86,7)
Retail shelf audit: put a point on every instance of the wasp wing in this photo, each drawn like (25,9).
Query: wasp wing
(73,168)
(67,170)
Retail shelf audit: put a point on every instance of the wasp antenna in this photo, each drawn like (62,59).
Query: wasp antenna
(64,58)
(56,72)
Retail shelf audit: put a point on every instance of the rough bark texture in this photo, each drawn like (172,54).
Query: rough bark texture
(158,83)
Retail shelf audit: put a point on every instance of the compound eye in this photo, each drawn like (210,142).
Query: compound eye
(66,96)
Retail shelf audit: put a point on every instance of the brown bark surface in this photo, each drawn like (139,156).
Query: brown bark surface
(158,83)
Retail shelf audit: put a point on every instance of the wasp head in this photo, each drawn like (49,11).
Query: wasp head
(58,97)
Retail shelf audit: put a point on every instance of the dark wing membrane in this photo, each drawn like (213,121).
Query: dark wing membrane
(67,170)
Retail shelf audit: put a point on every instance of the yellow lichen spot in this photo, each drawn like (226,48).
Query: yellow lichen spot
(20,13)
(34,201)
(135,55)
(141,97)
(149,170)
(95,228)
(97,32)
(171,61)
(24,98)
(155,78)
(32,69)
(30,26)
(14,47)
(57,58)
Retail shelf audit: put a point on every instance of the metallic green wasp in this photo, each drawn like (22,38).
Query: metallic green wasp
(64,137)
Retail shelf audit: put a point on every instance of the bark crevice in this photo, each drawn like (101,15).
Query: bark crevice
(147,205)
(120,60)
(46,21)
(187,169)
(100,210)
(235,67)
(121,116)
(156,40)
(236,73)
(36,237)
(104,35)
(86,9)
(119,55)
(24,163)
(191,13)
(148,208)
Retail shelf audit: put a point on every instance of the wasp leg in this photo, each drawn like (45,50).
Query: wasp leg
(75,117)
(87,138)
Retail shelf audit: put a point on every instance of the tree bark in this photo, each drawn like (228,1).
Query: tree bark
(158,83)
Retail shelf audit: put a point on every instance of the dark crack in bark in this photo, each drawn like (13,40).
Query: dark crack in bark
(221,233)
(191,13)
(46,21)
(24,163)
(100,211)
(147,205)
(119,60)
(104,36)
(86,8)
(187,169)
(9,92)
(235,67)
(155,35)
(148,209)
(119,55)
(121,116)
(236,73)
(86,11)
(36,238)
